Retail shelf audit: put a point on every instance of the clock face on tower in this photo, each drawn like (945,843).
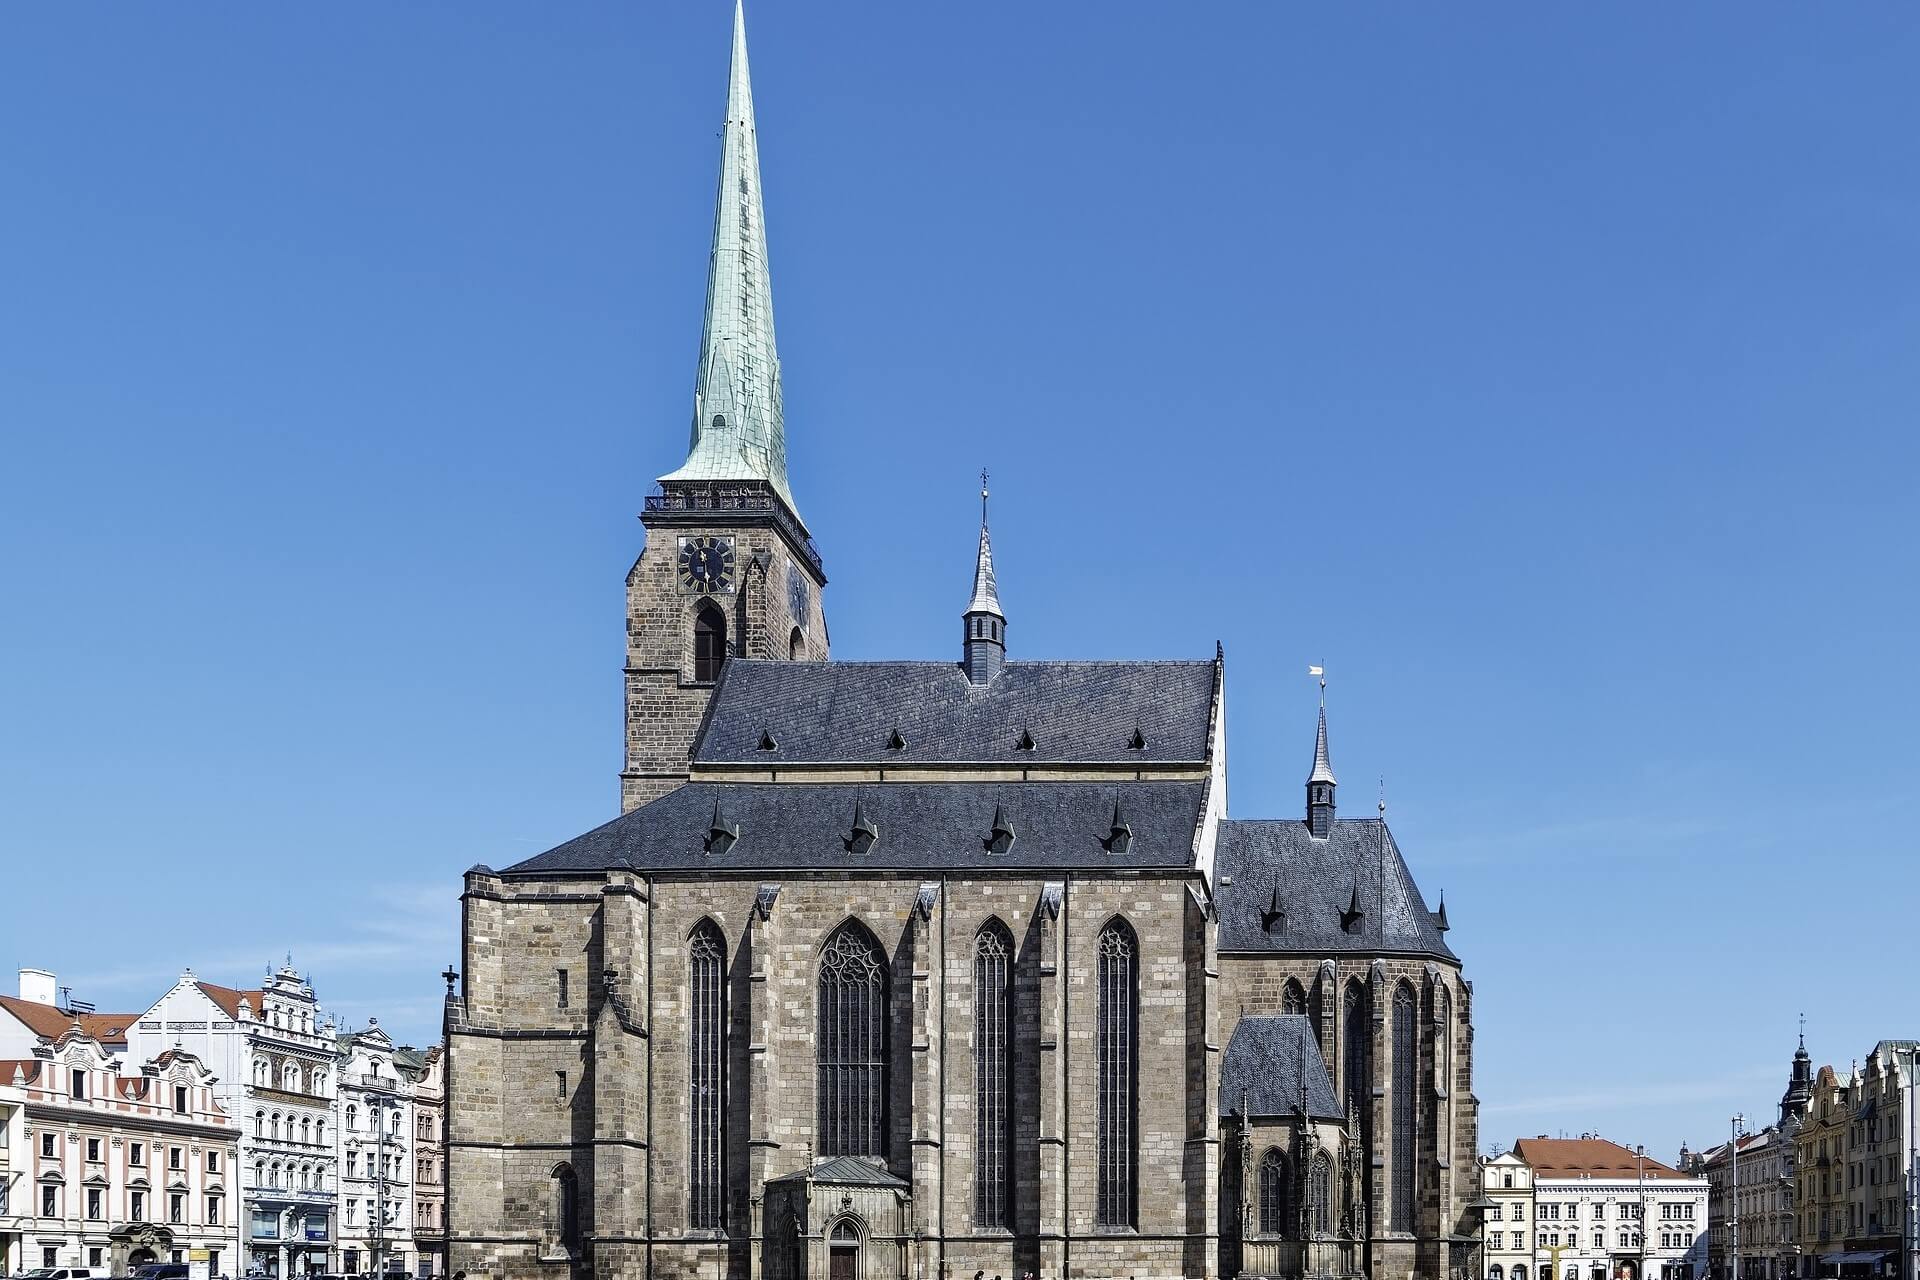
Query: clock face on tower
(706,564)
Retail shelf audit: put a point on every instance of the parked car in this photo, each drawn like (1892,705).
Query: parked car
(60,1273)
(161,1271)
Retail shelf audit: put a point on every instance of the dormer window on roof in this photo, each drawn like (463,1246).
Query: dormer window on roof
(1274,918)
(1119,832)
(865,833)
(1003,835)
(722,832)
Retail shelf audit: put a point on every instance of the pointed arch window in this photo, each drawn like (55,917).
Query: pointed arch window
(1320,1196)
(992,1052)
(1274,1219)
(796,646)
(1293,997)
(1116,1050)
(1405,1016)
(709,643)
(851,1089)
(1356,1037)
(706,1076)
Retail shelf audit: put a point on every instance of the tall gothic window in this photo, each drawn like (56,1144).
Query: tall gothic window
(852,1046)
(1273,1194)
(992,967)
(1405,1016)
(709,643)
(1116,1051)
(1320,1195)
(1357,1069)
(706,1075)
(1443,1051)
(1293,997)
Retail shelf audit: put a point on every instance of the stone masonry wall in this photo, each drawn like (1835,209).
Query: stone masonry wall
(664,705)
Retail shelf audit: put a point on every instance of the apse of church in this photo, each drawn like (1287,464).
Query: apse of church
(917,970)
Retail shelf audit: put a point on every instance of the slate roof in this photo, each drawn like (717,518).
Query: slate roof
(1267,1061)
(931,826)
(1075,713)
(1315,882)
(848,1171)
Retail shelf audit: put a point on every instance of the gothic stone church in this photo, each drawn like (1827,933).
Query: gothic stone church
(917,970)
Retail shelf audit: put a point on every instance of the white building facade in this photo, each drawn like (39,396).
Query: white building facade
(1507,1182)
(1602,1211)
(274,1055)
(375,1153)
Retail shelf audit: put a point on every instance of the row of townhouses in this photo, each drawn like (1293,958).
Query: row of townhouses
(236,1127)
(1589,1209)
(1827,1189)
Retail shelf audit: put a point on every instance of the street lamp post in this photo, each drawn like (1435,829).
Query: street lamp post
(1910,1220)
(1478,1207)
(1733,1200)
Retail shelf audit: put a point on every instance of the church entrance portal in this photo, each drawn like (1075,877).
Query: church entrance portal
(845,1260)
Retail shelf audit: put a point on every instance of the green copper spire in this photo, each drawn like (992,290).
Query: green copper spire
(738,430)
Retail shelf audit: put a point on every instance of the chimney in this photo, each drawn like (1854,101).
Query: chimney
(38,986)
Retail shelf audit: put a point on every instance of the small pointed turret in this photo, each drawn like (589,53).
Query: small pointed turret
(985,646)
(739,427)
(1798,1098)
(1321,782)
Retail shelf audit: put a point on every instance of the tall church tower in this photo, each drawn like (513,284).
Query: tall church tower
(728,569)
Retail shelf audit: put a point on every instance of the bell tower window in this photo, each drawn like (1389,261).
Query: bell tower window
(709,644)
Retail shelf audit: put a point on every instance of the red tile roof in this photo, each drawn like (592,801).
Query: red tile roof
(51,1023)
(229,999)
(1571,1157)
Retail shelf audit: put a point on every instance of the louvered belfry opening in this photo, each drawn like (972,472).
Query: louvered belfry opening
(709,644)
(992,970)
(706,1077)
(852,1046)
(1116,1047)
(1405,1018)
(1273,1195)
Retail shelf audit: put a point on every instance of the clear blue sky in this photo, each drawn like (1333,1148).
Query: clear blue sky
(1546,371)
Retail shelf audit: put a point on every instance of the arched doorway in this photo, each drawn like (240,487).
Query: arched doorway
(142,1257)
(843,1245)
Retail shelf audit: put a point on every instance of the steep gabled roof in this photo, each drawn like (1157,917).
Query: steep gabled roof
(847,712)
(1270,1062)
(1318,883)
(229,998)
